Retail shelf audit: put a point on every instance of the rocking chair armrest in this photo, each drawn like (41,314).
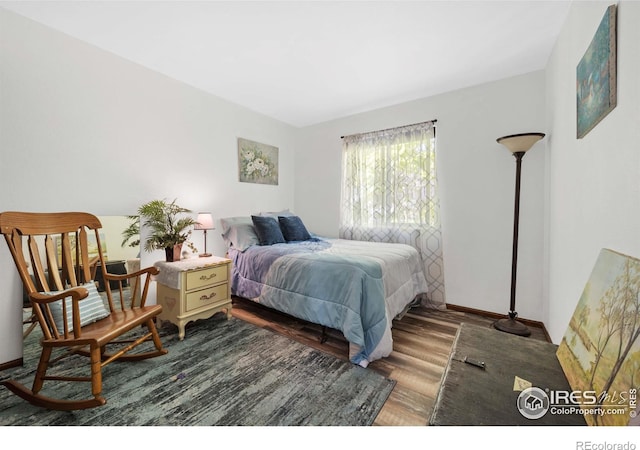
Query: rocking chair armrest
(41,305)
(119,277)
(76,294)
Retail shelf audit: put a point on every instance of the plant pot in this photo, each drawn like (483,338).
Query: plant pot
(173,253)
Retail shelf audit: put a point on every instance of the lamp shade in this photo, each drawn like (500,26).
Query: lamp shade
(520,142)
(205,222)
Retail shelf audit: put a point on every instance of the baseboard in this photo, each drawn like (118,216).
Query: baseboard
(497,316)
(9,364)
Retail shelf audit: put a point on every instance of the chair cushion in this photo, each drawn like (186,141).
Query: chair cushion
(92,308)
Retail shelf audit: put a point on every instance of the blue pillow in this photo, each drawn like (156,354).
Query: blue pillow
(293,229)
(268,230)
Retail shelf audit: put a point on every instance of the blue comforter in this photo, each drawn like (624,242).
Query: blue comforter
(312,282)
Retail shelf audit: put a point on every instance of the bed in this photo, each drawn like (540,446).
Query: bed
(356,287)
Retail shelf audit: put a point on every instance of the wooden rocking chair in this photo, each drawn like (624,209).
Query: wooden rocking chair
(65,301)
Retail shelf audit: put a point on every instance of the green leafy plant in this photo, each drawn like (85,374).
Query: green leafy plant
(168,224)
(131,234)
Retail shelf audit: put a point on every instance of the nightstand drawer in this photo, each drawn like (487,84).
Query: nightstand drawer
(206,297)
(206,277)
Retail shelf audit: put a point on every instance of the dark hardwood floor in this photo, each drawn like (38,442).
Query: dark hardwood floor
(422,342)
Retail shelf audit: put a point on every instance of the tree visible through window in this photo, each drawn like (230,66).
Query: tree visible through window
(389,178)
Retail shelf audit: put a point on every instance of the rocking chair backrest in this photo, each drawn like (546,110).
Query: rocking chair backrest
(57,229)
(51,252)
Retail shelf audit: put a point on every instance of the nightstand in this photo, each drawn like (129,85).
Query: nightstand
(193,289)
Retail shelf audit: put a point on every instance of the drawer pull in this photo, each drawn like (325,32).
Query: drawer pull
(205,278)
(207,297)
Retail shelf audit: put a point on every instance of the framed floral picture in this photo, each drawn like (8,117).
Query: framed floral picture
(596,76)
(257,163)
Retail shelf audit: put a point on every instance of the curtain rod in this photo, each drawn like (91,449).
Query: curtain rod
(393,128)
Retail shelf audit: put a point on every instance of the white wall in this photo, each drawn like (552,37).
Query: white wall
(82,129)
(594,182)
(477,184)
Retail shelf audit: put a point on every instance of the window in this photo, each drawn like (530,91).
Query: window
(389,178)
(389,194)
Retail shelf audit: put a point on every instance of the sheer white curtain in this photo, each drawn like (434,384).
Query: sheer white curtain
(390,194)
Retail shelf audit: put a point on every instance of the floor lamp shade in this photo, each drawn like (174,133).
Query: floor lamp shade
(518,144)
(204,222)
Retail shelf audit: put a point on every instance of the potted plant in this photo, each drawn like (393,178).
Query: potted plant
(169,227)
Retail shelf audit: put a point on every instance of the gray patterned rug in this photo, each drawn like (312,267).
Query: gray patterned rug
(225,372)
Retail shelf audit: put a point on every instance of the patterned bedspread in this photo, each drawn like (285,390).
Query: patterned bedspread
(353,286)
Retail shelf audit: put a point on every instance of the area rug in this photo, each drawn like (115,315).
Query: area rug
(224,373)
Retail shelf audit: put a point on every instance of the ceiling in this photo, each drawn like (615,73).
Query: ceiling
(306,62)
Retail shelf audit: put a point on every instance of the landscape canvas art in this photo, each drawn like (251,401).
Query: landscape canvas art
(600,351)
(257,163)
(596,76)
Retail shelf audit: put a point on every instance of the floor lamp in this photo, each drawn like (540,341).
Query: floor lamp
(518,144)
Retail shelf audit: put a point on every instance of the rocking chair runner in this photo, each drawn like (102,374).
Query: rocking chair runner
(71,313)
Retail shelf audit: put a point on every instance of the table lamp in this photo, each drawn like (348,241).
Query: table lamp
(204,223)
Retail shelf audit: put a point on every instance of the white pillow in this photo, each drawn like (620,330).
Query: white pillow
(239,233)
(284,213)
(92,308)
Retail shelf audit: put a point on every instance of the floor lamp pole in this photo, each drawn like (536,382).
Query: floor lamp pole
(511,325)
(518,144)
(516,221)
